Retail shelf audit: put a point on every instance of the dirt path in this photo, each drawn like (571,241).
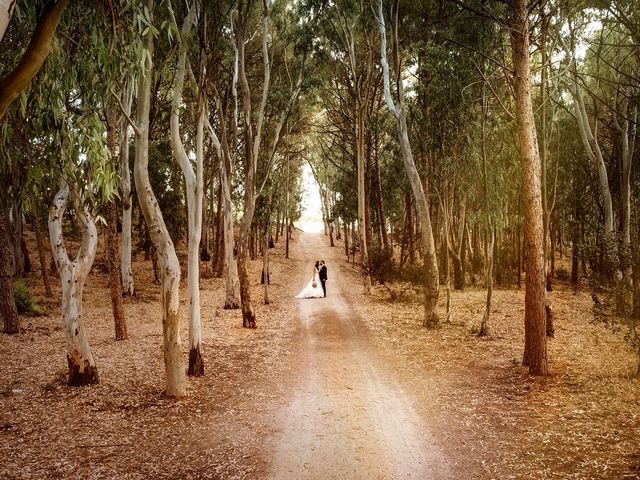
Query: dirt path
(347,417)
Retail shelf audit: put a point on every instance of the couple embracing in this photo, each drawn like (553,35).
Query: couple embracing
(317,287)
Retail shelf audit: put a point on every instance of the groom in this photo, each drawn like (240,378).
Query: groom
(323,276)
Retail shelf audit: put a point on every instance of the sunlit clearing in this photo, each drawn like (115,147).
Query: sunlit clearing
(311,219)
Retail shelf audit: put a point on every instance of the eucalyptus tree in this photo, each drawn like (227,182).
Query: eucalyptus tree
(12,84)
(514,19)
(223,67)
(194,192)
(589,133)
(253,129)
(81,183)
(165,250)
(356,45)
(431,286)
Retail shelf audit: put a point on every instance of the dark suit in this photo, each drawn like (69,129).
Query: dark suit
(322,275)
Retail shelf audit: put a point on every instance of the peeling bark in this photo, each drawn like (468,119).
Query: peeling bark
(126,271)
(431,289)
(73,275)
(165,250)
(194,193)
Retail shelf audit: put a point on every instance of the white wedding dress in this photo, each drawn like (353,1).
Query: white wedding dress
(310,291)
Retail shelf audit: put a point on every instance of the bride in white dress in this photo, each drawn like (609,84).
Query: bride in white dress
(313,288)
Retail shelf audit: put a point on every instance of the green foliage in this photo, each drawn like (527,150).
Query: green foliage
(616,303)
(25,303)
(167,184)
(382,265)
(413,273)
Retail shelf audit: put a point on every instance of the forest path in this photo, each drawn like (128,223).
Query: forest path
(348,417)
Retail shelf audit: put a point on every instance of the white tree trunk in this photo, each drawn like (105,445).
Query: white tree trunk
(193,186)
(232,298)
(166,253)
(431,290)
(73,275)
(6,11)
(591,145)
(626,127)
(127,197)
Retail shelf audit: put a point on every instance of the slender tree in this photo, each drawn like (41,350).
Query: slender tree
(431,286)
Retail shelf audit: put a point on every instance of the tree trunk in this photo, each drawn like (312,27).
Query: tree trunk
(265,264)
(7,300)
(331,235)
(126,270)
(362,224)
(113,258)
(115,286)
(73,275)
(484,326)
(447,272)
(431,285)
(218,253)
(18,255)
(165,251)
(232,298)
(41,252)
(535,353)
(194,192)
(346,240)
(195,201)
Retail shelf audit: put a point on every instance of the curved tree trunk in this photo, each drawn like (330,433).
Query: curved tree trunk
(431,288)
(73,275)
(33,58)
(535,352)
(7,8)
(193,187)
(165,251)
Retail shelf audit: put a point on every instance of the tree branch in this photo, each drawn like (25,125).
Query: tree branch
(35,55)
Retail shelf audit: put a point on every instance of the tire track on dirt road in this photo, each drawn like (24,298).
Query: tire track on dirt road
(347,417)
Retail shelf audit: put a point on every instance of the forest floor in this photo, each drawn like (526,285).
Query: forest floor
(350,386)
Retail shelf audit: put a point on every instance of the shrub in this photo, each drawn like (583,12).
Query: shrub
(413,273)
(381,264)
(25,304)
(563,274)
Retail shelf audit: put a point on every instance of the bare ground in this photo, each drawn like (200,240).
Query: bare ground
(350,388)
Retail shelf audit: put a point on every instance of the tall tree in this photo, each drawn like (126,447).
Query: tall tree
(535,350)
(431,285)
(194,189)
(165,250)
(73,275)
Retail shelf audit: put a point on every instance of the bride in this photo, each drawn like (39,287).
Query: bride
(313,288)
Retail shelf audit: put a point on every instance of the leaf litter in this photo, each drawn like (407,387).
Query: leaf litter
(495,421)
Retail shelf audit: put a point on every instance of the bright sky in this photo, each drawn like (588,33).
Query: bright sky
(311,220)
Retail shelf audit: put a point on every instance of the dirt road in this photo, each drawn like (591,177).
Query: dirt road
(347,417)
